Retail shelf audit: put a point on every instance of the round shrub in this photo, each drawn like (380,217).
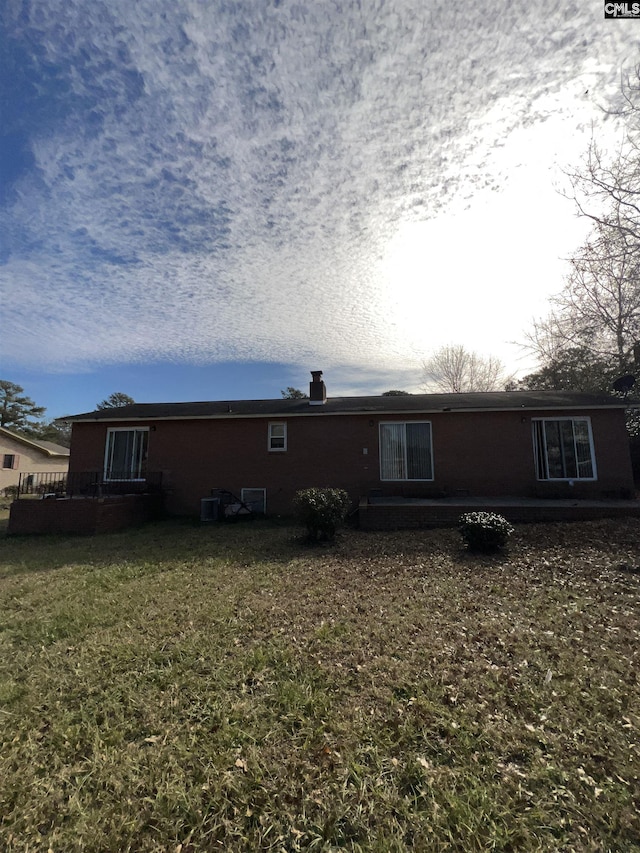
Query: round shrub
(321,511)
(484,531)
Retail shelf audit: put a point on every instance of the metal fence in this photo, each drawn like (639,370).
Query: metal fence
(87,484)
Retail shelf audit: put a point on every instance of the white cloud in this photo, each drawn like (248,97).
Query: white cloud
(272,182)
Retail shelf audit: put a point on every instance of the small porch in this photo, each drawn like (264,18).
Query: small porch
(82,502)
(84,484)
(401,513)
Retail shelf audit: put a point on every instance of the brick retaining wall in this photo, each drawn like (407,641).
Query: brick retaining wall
(82,515)
(412,516)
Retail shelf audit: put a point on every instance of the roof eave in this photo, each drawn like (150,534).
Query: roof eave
(345,413)
(34,444)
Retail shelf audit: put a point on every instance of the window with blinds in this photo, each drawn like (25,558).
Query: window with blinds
(126,454)
(405,451)
(563,449)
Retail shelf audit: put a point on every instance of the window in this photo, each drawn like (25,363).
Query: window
(10,460)
(277,436)
(405,451)
(126,454)
(255,499)
(563,449)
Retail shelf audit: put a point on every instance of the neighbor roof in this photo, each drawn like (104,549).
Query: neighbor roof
(47,447)
(414,403)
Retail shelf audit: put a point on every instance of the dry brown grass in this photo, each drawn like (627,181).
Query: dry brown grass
(228,687)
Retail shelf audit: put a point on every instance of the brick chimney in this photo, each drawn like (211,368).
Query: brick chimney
(317,390)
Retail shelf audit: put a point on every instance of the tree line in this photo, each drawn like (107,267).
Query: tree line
(591,333)
(20,414)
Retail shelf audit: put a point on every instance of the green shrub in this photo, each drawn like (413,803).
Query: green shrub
(321,511)
(484,531)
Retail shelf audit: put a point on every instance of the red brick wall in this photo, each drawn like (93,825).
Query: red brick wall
(418,517)
(81,515)
(482,453)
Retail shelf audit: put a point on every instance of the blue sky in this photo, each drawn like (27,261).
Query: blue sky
(207,200)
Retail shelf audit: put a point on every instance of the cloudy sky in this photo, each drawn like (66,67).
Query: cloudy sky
(206,200)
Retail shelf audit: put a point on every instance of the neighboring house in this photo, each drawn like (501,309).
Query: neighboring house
(517,443)
(20,454)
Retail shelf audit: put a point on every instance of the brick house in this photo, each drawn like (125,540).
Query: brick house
(522,444)
(19,453)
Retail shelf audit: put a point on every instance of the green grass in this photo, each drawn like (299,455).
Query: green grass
(185,688)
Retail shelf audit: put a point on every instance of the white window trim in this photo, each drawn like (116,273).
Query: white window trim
(257,489)
(405,479)
(106,456)
(536,461)
(269,437)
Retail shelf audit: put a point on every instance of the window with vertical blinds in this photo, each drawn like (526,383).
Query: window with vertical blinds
(405,451)
(563,449)
(126,454)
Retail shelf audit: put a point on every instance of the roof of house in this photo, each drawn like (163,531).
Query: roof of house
(47,447)
(414,403)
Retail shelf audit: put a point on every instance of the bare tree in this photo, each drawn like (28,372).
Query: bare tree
(453,368)
(606,188)
(598,310)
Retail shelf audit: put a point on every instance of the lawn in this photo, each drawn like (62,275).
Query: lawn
(227,687)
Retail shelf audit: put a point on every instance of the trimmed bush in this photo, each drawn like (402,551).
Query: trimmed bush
(321,511)
(484,531)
